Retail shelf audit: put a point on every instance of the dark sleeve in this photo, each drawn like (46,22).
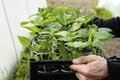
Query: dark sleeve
(113,69)
(113,23)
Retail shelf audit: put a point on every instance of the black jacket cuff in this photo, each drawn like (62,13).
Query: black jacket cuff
(113,69)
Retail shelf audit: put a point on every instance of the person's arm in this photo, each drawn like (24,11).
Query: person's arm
(94,67)
(113,68)
(113,65)
(113,23)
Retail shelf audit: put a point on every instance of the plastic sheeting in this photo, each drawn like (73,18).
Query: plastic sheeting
(12,12)
(112,5)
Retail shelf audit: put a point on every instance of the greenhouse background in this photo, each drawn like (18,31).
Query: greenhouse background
(14,11)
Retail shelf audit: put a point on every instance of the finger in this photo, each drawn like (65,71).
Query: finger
(83,69)
(78,76)
(82,77)
(84,59)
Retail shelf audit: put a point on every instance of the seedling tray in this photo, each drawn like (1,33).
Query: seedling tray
(51,70)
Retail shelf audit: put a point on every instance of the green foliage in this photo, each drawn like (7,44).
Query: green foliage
(102,12)
(24,41)
(22,67)
(61,33)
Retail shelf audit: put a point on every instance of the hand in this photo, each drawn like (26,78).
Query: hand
(91,67)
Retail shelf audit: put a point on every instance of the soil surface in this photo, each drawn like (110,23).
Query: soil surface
(112,47)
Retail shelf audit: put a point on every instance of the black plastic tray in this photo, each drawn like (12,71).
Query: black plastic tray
(51,70)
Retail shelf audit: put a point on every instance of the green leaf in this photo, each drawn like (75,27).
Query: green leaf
(63,51)
(45,33)
(52,18)
(44,11)
(102,12)
(80,20)
(45,44)
(62,33)
(36,57)
(65,18)
(92,29)
(39,20)
(24,23)
(76,44)
(24,41)
(102,37)
(76,55)
(35,47)
(25,55)
(65,35)
(105,29)
(32,28)
(88,18)
(53,56)
(75,26)
(98,42)
(55,26)
(83,32)
(84,19)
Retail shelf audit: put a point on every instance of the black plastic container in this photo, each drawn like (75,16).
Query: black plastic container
(51,70)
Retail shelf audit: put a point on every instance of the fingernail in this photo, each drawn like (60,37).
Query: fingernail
(75,61)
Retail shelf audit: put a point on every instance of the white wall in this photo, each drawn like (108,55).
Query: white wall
(112,5)
(12,12)
(33,5)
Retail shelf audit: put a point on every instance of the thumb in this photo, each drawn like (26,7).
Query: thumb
(85,59)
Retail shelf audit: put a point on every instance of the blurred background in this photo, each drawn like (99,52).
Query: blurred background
(86,4)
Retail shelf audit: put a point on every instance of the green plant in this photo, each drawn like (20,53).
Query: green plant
(22,67)
(102,12)
(61,33)
(5,74)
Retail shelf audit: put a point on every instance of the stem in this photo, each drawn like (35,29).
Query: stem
(90,40)
(44,68)
(41,57)
(43,65)
(94,50)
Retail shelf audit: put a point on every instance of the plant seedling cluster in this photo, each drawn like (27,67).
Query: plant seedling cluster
(62,34)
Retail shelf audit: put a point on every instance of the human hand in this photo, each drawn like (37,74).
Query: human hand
(91,67)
